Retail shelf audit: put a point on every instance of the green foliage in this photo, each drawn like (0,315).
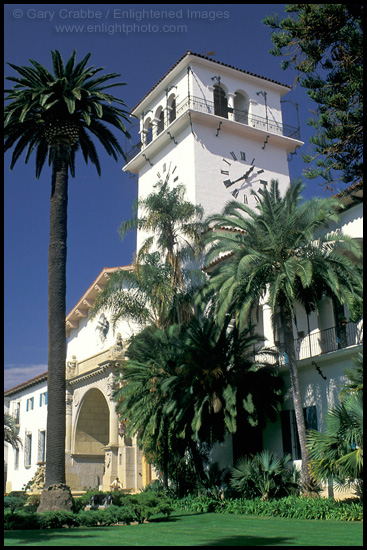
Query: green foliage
(354,386)
(287,507)
(131,508)
(15,501)
(11,431)
(158,289)
(21,519)
(356,310)
(324,44)
(57,518)
(265,475)
(276,253)
(338,451)
(190,385)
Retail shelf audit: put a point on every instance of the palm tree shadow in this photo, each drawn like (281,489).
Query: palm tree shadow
(243,540)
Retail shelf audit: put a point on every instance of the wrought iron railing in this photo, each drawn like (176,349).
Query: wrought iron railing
(201,105)
(318,343)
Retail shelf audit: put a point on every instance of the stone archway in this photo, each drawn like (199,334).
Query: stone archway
(90,437)
(92,428)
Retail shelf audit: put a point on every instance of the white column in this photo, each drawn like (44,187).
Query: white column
(230,105)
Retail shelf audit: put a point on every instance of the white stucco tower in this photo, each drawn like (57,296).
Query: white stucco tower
(214,128)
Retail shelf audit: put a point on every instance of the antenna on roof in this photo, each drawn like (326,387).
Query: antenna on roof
(211,53)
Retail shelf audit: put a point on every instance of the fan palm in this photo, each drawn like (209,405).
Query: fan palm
(264,475)
(338,452)
(53,115)
(276,252)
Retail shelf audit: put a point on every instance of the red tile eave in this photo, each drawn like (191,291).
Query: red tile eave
(105,270)
(189,52)
(27,384)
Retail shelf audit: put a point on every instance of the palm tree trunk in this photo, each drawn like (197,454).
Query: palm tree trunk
(56,427)
(296,393)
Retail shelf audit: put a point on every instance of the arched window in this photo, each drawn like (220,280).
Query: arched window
(160,125)
(220,102)
(148,131)
(172,110)
(241,107)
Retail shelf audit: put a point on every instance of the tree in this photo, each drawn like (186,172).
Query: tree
(53,115)
(217,386)
(324,44)
(11,431)
(173,224)
(159,288)
(139,398)
(276,252)
(190,385)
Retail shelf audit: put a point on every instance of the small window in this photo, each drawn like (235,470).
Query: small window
(30,404)
(28,450)
(43,398)
(42,446)
(16,459)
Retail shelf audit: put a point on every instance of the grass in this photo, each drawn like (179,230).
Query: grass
(195,529)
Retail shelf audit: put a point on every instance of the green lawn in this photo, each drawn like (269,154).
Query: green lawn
(193,529)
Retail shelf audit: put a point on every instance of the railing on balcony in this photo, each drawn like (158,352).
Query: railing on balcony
(318,343)
(201,105)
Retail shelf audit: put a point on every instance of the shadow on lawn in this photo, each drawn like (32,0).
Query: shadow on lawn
(47,535)
(242,540)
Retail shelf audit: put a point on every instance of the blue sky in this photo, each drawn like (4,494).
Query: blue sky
(142,43)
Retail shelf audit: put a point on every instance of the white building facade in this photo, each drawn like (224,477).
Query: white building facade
(27,403)
(217,130)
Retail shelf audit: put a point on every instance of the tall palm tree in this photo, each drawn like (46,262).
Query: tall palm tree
(53,115)
(276,251)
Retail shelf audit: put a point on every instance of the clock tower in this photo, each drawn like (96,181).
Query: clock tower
(216,129)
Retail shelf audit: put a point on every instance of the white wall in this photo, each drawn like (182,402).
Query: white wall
(31,422)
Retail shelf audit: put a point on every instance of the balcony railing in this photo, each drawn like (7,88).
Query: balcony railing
(318,343)
(201,105)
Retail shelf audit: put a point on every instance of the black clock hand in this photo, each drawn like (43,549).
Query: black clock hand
(228,183)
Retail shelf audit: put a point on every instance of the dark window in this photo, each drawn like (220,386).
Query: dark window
(290,433)
(220,102)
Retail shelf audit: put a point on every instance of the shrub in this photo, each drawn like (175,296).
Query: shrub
(298,508)
(21,520)
(54,519)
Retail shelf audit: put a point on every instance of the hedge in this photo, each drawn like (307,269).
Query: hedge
(287,507)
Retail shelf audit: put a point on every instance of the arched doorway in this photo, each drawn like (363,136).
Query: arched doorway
(92,429)
(91,436)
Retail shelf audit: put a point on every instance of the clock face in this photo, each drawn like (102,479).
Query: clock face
(239,174)
(168,172)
